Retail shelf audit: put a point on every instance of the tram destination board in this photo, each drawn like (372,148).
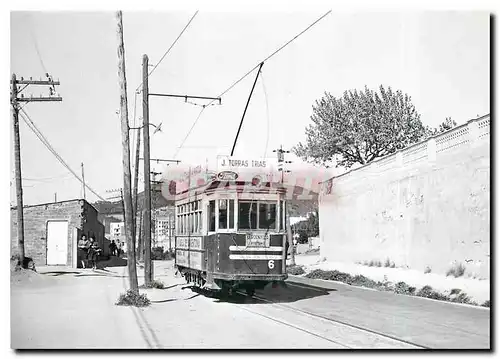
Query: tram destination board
(258,240)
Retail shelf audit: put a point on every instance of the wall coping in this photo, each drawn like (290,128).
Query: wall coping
(394,154)
(54,203)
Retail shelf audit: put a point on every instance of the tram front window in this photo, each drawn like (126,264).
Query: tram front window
(267,215)
(247,216)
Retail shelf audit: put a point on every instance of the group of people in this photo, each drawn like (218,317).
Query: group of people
(89,251)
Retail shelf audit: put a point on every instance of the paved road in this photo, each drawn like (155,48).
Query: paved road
(74,310)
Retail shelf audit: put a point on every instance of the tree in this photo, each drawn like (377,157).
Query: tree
(446,125)
(360,126)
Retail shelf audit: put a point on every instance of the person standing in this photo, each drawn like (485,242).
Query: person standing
(83,248)
(93,253)
(113,248)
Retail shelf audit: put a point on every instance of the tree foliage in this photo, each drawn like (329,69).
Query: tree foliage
(446,125)
(360,126)
(308,228)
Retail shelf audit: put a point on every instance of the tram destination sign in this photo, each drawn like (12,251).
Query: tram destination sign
(257,240)
(230,168)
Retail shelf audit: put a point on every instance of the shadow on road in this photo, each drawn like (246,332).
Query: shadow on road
(285,293)
(58,273)
(112,262)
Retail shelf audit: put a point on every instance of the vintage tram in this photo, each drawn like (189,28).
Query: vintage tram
(230,233)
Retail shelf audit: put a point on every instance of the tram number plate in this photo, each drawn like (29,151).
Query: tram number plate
(257,240)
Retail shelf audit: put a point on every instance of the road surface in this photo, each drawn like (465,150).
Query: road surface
(74,309)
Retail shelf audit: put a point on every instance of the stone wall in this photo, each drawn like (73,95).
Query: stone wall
(425,206)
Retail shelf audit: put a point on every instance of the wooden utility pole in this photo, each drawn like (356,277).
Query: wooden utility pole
(136,189)
(14,100)
(19,185)
(281,161)
(83,183)
(147,179)
(127,196)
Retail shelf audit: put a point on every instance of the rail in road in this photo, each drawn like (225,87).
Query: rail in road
(346,335)
(397,320)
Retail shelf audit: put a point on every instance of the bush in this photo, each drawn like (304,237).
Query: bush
(27,264)
(362,281)
(427,270)
(295,270)
(428,292)
(329,275)
(132,298)
(457,296)
(457,270)
(486,304)
(403,288)
(154,284)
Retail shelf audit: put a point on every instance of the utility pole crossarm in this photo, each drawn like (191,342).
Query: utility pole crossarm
(39,99)
(187,96)
(161,160)
(37,82)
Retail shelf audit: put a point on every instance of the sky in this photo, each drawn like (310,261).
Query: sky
(441,59)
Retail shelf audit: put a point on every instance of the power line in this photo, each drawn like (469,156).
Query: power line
(274,53)
(42,138)
(248,73)
(190,130)
(170,48)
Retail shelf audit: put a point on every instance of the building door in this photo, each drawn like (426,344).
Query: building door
(57,242)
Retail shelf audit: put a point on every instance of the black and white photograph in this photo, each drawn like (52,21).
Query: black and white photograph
(250,179)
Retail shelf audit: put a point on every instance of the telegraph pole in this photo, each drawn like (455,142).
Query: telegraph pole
(14,100)
(127,196)
(136,189)
(148,278)
(281,161)
(83,183)
(147,179)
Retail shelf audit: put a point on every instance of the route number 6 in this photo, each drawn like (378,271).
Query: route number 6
(270,264)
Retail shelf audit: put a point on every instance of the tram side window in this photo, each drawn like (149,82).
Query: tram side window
(267,215)
(222,214)
(247,216)
(211,216)
(231,213)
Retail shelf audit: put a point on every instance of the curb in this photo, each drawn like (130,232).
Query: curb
(329,284)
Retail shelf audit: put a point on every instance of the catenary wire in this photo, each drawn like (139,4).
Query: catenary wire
(170,48)
(246,74)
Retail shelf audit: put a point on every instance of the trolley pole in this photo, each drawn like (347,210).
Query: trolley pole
(147,178)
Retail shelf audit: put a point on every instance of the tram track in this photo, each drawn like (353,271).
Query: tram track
(382,340)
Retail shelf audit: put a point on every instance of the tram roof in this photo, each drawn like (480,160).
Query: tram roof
(217,185)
